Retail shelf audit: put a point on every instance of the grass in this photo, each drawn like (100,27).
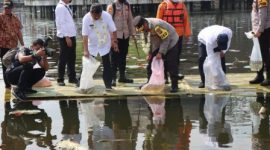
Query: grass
(132,60)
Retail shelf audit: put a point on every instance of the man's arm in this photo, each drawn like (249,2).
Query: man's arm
(85,46)
(44,63)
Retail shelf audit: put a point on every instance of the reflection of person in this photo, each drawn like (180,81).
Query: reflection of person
(10,33)
(93,112)
(66,33)
(17,126)
(260,122)
(213,127)
(71,123)
(214,41)
(175,13)
(171,130)
(96,29)
(23,73)
(117,117)
(260,17)
(164,45)
(122,16)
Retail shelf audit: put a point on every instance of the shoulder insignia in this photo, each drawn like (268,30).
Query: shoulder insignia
(161,32)
(262,3)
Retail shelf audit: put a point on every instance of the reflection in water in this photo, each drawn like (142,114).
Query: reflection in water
(215,131)
(109,124)
(24,124)
(71,127)
(260,132)
(168,129)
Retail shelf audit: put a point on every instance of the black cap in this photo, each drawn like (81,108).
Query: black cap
(222,41)
(8,4)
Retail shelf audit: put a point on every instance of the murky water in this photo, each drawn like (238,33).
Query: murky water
(184,122)
(196,122)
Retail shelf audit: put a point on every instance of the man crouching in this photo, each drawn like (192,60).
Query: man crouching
(22,71)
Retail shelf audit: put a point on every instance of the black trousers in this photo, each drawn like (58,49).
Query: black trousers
(3,51)
(107,70)
(264,41)
(171,62)
(118,59)
(67,57)
(179,43)
(25,77)
(202,57)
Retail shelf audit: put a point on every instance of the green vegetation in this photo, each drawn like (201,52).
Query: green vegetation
(132,61)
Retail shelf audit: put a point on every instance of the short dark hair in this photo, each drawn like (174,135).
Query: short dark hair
(38,42)
(96,8)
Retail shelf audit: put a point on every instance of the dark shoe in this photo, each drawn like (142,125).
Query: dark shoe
(257,80)
(181,77)
(61,83)
(201,85)
(174,90)
(29,91)
(109,88)
(113,82)
(140,87)
(8,86)
(73,81)
(18,94)
(266,82)
(125,80)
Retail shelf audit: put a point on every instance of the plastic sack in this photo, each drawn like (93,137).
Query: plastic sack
(89,68)
(156,82)
(44,82)
(215,78)
(256,62)
(157,105)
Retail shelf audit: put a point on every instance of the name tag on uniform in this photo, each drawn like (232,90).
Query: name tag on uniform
(91,26)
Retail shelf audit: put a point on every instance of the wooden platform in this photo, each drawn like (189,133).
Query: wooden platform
(239,84)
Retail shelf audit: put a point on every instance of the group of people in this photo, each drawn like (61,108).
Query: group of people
(107,33)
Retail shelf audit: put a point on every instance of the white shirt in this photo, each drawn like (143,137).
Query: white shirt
(64,21)
(98,32)
(208,36)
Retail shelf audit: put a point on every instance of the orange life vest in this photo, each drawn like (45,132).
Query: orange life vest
(174,14)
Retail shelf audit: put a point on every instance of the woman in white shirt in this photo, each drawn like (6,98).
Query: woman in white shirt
(97,28)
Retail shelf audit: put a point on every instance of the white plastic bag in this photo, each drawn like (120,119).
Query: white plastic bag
(90,66)
(215,78)
(156,82)
(256,62)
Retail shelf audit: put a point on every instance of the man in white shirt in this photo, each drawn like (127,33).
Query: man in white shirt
(97,28)
(66,33)
(213,40)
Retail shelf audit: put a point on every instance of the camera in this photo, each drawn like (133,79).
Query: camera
(48,51)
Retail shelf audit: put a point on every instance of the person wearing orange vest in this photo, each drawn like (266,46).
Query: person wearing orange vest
(175,13)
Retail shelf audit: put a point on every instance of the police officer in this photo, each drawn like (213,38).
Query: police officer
(175,13)
(122,17)
(164,45)
(260,17)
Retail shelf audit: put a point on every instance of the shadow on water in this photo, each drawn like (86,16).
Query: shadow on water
(203,122)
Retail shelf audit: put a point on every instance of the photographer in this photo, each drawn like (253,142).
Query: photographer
(23,73)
